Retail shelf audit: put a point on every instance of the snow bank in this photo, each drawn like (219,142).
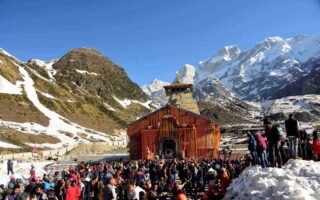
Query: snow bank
(8,88)
(298,179)
(21,170)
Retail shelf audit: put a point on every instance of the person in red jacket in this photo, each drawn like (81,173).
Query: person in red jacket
(224,180)
(316,145)
(73,192)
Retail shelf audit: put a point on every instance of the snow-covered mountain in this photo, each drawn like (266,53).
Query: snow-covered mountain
(155,92)
(259,72)
(274,68)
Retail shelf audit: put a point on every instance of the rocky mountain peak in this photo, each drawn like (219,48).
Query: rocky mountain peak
(187,74)
(154,86)
(86,59)
(229,52)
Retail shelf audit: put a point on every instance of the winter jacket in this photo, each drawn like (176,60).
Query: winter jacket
(224,180)
(73,193)
(42,196)
(316,146)
(252,143)
(10,164)
(292,127)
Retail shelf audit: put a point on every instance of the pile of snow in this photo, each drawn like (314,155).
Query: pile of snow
(298,179)
(7,87)
(21,171)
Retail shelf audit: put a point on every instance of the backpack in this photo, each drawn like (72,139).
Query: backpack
(261,142)
(279,133)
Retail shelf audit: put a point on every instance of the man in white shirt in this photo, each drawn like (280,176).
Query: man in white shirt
(135,192)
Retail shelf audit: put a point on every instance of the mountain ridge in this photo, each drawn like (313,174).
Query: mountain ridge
(65,101)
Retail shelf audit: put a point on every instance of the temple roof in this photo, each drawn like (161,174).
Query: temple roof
(178,86)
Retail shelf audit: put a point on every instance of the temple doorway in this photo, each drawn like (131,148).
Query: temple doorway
(169,148)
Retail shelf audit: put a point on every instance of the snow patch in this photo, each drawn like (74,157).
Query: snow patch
(86,72)
(46,145)
(109,107)
(7,87)
(47,95)
(127,102)
(48,65)
(8,145)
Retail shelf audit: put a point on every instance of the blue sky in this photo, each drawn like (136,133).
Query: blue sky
(149,38)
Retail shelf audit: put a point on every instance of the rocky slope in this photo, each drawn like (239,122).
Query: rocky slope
(78,98)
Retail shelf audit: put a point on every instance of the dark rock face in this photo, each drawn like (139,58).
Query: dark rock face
(209,88)
(309,84)
(97,74)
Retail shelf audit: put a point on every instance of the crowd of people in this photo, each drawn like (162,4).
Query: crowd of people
(132,180)
(277,144)
(164,179)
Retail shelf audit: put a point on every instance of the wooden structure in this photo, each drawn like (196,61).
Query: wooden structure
(173,132)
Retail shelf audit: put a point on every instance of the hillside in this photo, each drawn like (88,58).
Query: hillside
(78,98)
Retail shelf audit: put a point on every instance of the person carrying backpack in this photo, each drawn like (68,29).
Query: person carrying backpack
(292,130)
(252,147)
(261,150)
(276,134)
